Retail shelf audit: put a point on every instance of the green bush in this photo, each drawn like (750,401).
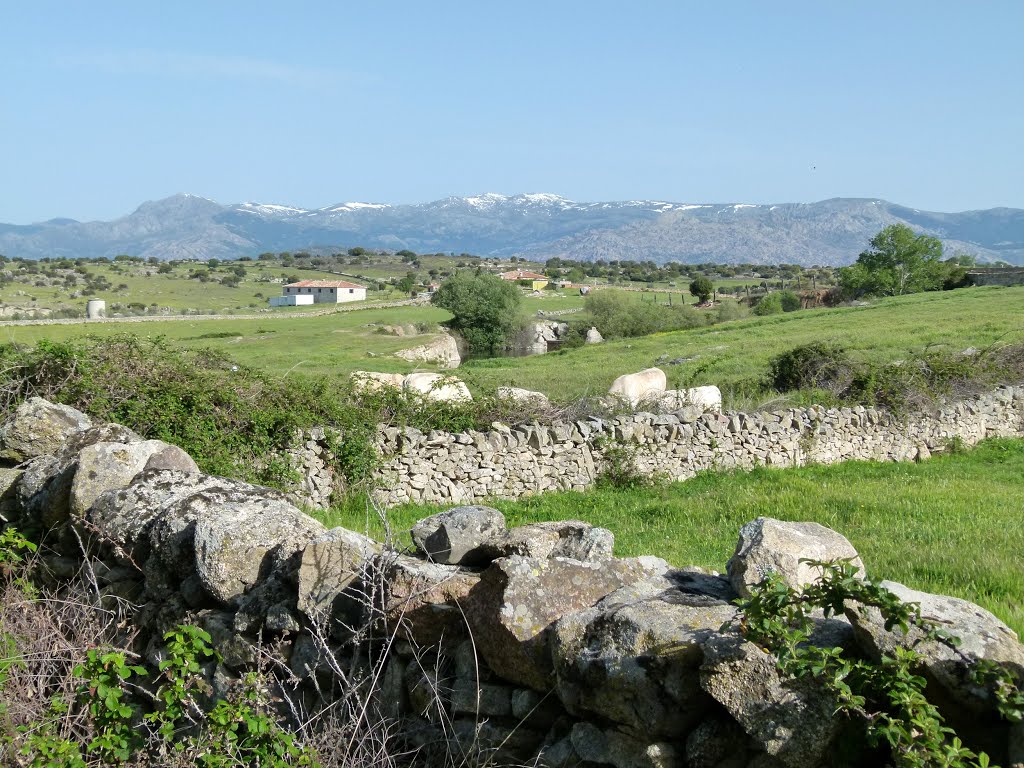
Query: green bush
(886,697)
(616,315)
(769,305)
(789,301)
(819,365)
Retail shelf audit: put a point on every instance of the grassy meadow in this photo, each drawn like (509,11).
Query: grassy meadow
(733,355)
(951,525)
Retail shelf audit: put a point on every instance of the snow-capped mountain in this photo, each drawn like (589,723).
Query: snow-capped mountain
(537,225)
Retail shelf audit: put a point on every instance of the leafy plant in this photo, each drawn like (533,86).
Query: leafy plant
(103,675)
(888,696)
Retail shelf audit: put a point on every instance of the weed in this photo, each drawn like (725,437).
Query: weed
(887,695)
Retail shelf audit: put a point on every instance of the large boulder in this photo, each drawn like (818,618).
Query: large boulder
(703,399)
(593,335)
(791,720)
(574,539)
(423,601)
(241,541)
(436,386)
(121,519)
(634,388)
(442,352)
(105,466)
(519,599)
(43,491)
(982,636)
(39,427)
(456,535)
(329,565)
(635,657)
(768,546)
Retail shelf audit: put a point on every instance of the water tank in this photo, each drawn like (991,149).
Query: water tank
(95,309)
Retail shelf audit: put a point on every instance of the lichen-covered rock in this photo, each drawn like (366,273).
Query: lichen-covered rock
(520,598)
(120,519)
(375,381)
(239,541)
(574,539)
(635,657)
(106,466)
(791,720)
(717,743)
(43,492)
(329,564)
(424,601)
(775,546)
(456,535)
(982,636)
(39,427)
(610,747)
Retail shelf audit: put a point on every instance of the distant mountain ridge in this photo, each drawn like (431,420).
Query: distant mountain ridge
(538,226)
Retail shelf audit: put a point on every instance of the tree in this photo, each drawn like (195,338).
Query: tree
(485,308)
(897,262)
(702,288)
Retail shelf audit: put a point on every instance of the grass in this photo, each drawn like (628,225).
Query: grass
(735,355)
(950,525)
(732,355)
(170,292)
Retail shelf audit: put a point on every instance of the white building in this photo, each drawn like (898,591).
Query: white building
(296,300)
(321,292)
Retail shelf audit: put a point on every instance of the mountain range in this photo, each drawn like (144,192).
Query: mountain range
(536,226)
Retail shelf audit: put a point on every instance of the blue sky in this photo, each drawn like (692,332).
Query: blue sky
(105,105)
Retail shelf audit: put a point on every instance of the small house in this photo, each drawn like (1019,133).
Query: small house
(535,281)
(319,292)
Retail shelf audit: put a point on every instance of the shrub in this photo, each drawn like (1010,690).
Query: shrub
(768,305)
(730,310)
(790,301)
(819,365)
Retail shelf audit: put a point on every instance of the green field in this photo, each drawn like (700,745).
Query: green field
(735,355)
(732,355)
(144,287)
(950,525)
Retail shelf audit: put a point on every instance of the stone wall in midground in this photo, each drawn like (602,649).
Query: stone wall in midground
(533,645)
(511,462)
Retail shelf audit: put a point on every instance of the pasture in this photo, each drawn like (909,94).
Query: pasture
(733,355)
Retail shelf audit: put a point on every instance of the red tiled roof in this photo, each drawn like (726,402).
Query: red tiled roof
(521,275)
(324,284)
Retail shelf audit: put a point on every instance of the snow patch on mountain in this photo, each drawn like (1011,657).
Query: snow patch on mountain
(269,209)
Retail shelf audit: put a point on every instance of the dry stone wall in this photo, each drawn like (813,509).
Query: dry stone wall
(528,646)
(512,462)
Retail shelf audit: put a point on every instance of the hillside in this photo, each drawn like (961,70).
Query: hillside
(537,226)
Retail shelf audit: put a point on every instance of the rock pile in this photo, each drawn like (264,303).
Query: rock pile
(533,645)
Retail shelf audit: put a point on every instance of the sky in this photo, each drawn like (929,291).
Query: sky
(106,105)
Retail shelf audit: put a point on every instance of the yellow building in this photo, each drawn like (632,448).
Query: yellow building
(537,282)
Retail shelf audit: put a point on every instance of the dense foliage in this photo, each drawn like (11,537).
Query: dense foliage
(916,383)
(897,262)
(618,316)
(886,696)
(486,309)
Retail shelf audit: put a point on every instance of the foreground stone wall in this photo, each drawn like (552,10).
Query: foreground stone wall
(529,646)
(511,462)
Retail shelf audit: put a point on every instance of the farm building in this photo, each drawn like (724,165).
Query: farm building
(320,292)
(536,281)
